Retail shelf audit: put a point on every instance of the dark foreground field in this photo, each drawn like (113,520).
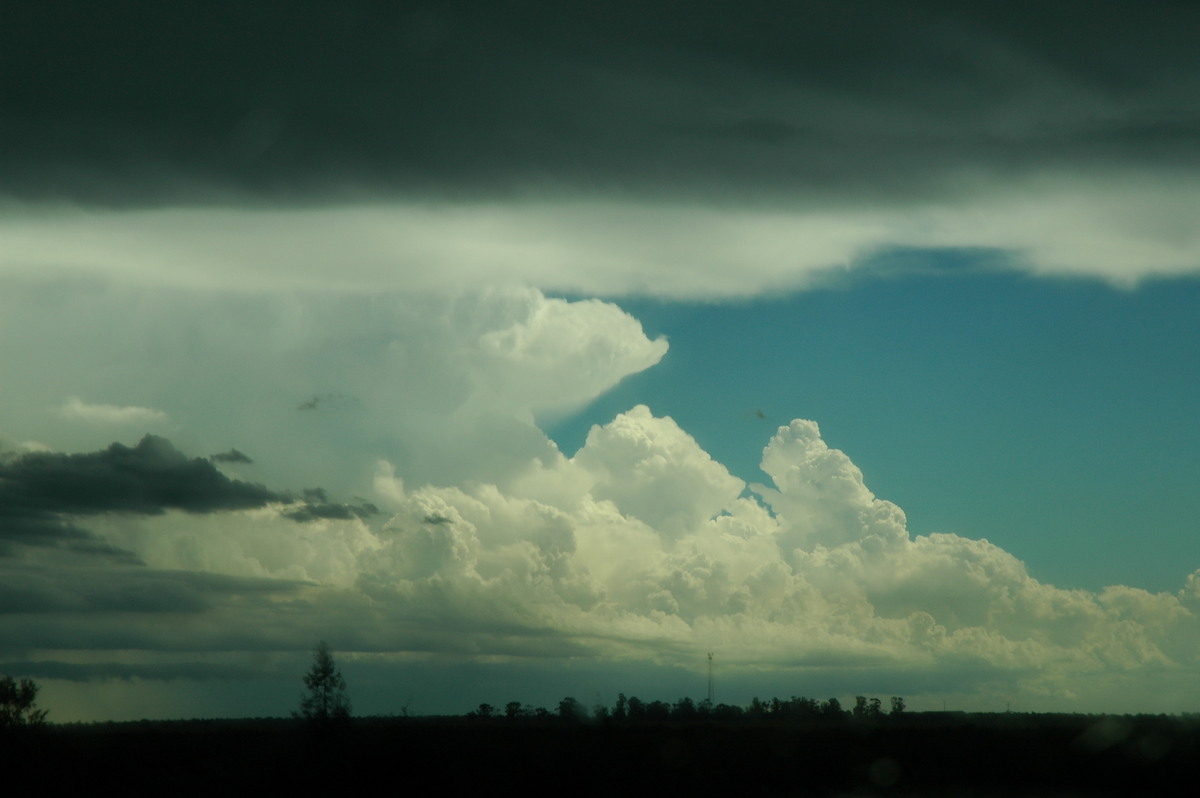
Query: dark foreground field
(916,755)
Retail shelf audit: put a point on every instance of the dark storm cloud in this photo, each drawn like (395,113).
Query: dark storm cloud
(148,478)
(316,505)
(231,456)
(41,491)
(145,100)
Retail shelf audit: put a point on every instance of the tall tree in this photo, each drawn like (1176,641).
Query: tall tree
(17,707)
(326,699)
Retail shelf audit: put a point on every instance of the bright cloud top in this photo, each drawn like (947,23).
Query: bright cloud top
(655,555)
(323,385)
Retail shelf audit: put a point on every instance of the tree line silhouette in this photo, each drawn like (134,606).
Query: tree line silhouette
(767,746)
(327,702)
(633,709)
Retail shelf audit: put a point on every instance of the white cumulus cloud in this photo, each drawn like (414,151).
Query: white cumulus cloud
(643,548)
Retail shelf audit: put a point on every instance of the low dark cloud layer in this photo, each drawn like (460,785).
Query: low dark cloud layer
(148,478)
(41,492)
(141,102)
(74,672)
(126,590)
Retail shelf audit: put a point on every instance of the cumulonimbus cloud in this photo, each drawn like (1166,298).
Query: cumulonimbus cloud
(642,548)
(376,307)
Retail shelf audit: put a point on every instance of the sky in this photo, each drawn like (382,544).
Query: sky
(523,350)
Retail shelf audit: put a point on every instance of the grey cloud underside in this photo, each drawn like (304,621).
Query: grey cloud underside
(41,492)
(126,590)
(231,456)
(316,505)
(147,478)
(74,672)
(45,530)
(179,101)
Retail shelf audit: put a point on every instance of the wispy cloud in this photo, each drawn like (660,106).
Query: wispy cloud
(129,416)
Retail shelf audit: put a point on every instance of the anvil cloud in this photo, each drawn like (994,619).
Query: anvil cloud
(301,309)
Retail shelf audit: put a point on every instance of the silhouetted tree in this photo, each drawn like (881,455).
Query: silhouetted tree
(806,707)
(17,703)
(727,712)
(897,705)
(512,710)
(832,708)
(865,708)
(618,712)
(571,709)
(326,700)
(658,710)
(684,709)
